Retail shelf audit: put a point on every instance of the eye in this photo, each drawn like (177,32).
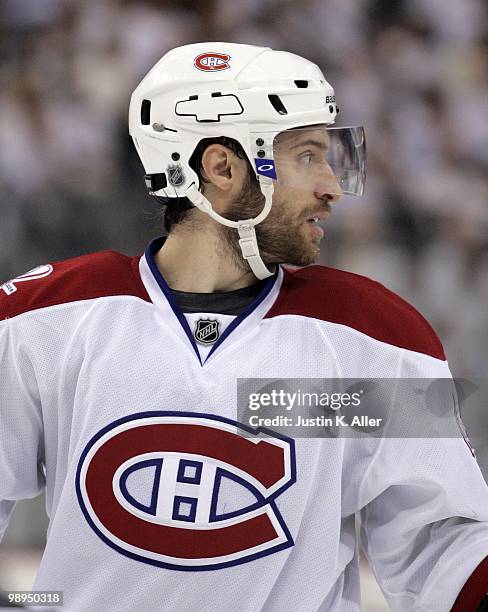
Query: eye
(307,158)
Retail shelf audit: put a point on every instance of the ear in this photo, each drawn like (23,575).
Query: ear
(223,168)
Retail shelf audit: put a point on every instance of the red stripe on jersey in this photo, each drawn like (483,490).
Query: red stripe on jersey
(102,274)
(358,302)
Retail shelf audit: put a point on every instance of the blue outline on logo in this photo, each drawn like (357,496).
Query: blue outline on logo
(157,463)
(270,500)
(182,465)
(180,499)
(219,475)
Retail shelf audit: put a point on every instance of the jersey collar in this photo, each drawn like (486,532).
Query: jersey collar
(162,296)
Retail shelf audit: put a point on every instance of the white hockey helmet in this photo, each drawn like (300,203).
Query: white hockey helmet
(244,92)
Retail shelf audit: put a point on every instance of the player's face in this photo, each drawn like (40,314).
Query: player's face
(303,193)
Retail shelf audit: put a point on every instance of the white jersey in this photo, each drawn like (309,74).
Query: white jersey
(157,496)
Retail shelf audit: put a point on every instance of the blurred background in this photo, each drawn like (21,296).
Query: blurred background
(414,73)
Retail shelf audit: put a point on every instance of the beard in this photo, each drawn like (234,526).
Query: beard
(282,237)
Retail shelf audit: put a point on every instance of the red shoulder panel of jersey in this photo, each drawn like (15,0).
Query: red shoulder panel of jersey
(475,591)
(358,302)
(102,274)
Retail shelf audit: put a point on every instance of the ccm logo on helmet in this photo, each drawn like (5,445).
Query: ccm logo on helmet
(154,486)
(211,62)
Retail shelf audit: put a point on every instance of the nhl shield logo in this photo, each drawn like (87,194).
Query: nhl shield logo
(176,176)
(207,331)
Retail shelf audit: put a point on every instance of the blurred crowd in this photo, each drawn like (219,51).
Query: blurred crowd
(414,73)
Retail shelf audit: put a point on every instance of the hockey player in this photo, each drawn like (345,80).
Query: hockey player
(119,376)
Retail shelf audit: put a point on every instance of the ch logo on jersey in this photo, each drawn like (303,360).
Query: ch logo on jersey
(207,331)
(149,486)
(40,272)
(212,62)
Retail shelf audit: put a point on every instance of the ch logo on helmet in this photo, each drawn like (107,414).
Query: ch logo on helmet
(211,62)
(39,272)
(207,331)
(176,176)
(150,486)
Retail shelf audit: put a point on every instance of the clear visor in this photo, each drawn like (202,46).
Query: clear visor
(318,159)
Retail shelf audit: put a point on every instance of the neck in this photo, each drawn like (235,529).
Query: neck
(198,260)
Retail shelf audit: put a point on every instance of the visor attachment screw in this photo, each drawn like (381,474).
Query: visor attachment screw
(158,127)
(261,153)
(260,142)
(175,156)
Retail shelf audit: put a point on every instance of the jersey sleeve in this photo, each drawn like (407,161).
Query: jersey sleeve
(424,516)
(21,447)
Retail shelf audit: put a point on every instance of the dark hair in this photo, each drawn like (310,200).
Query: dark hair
(176,209)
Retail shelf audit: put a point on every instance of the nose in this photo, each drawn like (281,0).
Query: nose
(327,187)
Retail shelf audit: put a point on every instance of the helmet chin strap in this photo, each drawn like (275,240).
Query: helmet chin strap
(245,228)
